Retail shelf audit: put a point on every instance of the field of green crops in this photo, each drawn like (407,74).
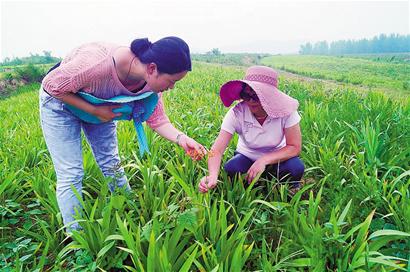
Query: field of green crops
(353,214)
(377,73)
(384,57)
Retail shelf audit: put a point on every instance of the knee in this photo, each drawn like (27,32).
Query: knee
(233,168)
(239,164)
(108,162)
(297,168)
(64,181)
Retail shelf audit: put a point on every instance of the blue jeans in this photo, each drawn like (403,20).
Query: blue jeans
(290,170)
(62,134)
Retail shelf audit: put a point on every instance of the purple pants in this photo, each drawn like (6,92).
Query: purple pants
(290,171)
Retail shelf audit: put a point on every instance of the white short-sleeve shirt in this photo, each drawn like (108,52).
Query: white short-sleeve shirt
(256,140)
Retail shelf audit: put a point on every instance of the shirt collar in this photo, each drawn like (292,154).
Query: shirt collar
(249,118)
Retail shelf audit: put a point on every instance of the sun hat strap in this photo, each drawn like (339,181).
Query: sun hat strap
(142,139)
(137,114)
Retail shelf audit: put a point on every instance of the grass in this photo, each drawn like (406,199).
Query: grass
(360,71)
(354,217)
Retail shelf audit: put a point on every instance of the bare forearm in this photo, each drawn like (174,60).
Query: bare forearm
(214,163)
(168,131)
(282,154)
(195,150)
(72,99)
(217,150)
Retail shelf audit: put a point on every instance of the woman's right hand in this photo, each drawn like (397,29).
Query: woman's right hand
(195,150)
(207,183)
(105,113)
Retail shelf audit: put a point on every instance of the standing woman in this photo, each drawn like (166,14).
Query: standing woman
(105,71)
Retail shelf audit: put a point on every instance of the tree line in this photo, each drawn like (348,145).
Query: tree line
(32,59)
(393,43)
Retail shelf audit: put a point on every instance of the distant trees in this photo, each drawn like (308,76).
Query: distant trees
(32,59)
(29,73)
(214,51)
(393,43)
(216,56)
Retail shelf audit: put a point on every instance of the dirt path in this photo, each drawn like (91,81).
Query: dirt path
(333,84)
(330,85)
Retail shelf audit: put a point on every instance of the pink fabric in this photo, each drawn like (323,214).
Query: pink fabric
(91,68)
(256,140)
(264,81)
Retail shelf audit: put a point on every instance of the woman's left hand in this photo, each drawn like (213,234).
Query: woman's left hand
(195,150)
(257,168)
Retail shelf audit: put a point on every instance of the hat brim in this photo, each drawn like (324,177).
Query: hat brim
(274,102)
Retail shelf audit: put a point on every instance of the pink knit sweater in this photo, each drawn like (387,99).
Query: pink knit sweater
(91,68)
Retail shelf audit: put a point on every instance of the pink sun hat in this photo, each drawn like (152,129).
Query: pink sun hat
(264,81)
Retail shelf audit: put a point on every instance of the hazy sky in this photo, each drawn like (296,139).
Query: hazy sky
(231,26)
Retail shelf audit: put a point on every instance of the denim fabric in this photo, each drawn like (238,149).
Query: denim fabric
(62,134)
(290,170)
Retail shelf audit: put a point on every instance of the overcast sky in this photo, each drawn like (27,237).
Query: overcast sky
(232,26)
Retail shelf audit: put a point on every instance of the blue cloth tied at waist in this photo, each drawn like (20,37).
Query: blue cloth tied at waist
(137,108)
